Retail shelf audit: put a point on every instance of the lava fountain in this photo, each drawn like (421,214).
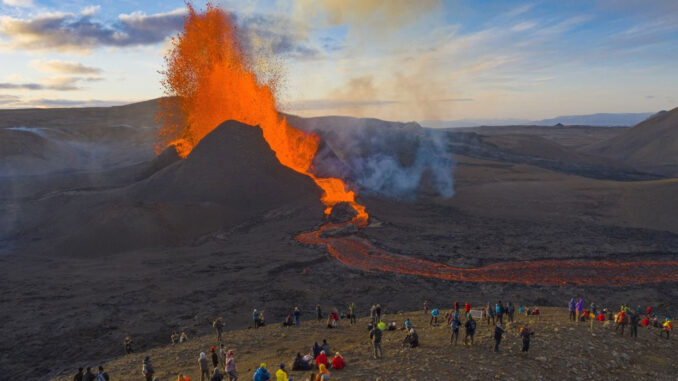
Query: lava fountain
(208,73)
(209,77)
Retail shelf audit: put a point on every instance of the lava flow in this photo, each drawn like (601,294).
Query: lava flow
(208,73)
(358,252)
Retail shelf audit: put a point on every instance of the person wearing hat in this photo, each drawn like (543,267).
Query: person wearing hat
(323,373)
(230,366)
(281,375)
(262,374)
(215,356)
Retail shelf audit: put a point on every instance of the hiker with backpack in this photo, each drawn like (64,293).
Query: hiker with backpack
(204,367)
(525,334)
(470,326)
(101,375)
(499,311)
(375,336)
(256,318)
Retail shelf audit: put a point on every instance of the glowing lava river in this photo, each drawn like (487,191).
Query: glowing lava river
(359,252)
(212,80)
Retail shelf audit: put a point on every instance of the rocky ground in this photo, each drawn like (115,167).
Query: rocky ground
(559,349)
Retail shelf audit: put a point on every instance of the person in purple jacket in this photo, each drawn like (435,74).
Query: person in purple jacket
(580,307)
(572,306)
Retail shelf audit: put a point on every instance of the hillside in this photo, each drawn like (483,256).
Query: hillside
(560,349)
(650,146)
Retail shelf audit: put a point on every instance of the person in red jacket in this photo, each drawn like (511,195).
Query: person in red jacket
(321,359)
(467,308)
(338,361)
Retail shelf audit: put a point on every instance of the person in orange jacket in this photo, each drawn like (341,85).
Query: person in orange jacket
(323,373)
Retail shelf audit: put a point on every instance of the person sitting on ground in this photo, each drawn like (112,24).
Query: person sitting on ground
(280,374)
(204,367)
(230,366)
(215,356)
(181,377)
(338,362)
(323,373)
(412,339)
(302,363)
(325,347)
(316,349)
(174,337)
(183,337)
(89,376)
(392,326)
(102,376)
(217,376)
(261,374)
(321,359)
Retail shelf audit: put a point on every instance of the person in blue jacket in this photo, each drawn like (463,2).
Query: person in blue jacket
(262,374)
(434,316)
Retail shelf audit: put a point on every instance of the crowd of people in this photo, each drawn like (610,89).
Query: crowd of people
(219,363)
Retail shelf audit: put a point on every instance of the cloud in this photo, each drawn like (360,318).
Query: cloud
(91,10)
(376,13)
(8,100)
(518,11)
(19,3)
(266,35)
(525,25)
(58,83)
(64,67)
(71,32)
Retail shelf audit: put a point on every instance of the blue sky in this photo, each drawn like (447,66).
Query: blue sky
(397,59)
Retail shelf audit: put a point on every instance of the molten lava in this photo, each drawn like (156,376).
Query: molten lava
(209,74)
(358,252)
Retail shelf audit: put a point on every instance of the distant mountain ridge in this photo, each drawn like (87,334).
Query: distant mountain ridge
(596,120)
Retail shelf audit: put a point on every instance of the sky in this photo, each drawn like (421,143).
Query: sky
(389,59)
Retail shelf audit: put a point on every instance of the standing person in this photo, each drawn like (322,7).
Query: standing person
(215,357)
(470,326)
(217,376)
(426,307)
(579,308)
(377,311)
(204,367)
(101,375)
(498,332)
(499,310)
(255,318)
(218,325)
(572,306)
(325,346)
(634,321)
(89,376)
(434,317)
(261,374)
(297,316)
(351,311)
(467,309)
(128,345)
(318,312)
(281,375)
(78,376)
(456,323)
(230,366)
(594,309)
(489,313)
(223,353)
(147,369)
(510,310)
(456,306)
(375,336)
(667,327)
(525,334)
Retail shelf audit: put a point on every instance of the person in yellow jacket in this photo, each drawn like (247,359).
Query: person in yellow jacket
(281,375)
(668,327)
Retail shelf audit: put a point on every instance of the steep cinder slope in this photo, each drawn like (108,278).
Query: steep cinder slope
(232,176)
(651,145)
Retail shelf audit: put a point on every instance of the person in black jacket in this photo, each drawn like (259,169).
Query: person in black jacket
(89,376)
(78,376)
(525,333)
(498,332)
(470,326)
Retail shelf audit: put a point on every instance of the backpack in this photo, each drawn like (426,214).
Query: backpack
(497,308)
